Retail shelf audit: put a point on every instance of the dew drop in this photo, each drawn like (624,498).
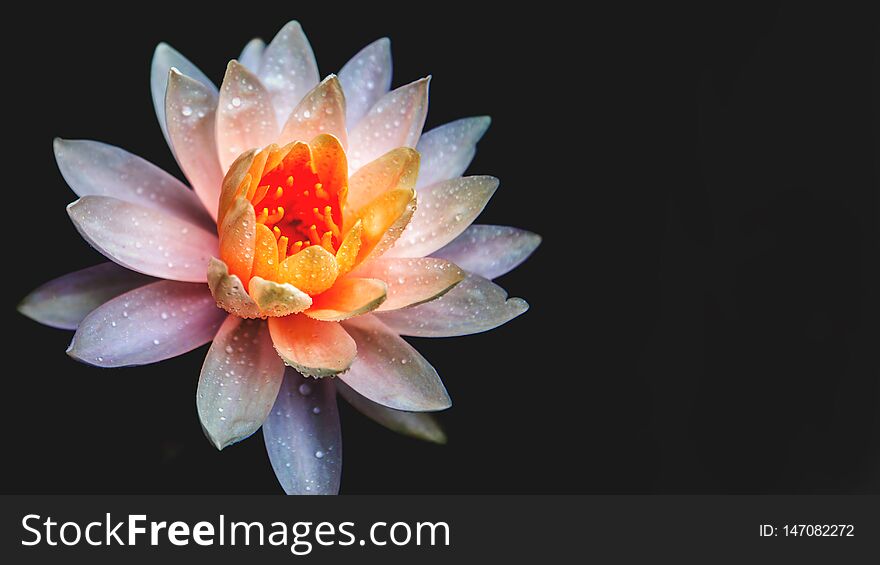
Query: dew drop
(236,101)
(319,454)
(186,111)
(305,389)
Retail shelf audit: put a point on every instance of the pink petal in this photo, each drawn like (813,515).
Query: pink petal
(444,211)
(165,58)
(448,150)
(365,78)
(92,168)
(475,305)
(190,109)
(396,120)
(420,425)
(239,381)
(245,118)
(252,54)
(143,239)
(303,437)
(321,111)
(151,323)
(65,301)
(390,372)
(411,281)
(490,251)
(288,69)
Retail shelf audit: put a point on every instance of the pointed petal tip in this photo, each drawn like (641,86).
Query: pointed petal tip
(292,25)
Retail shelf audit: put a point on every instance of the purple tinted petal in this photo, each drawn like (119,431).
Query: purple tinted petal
(151,323)
(303,437)
(490,251)
(474,305)
(65,301)
(448,150)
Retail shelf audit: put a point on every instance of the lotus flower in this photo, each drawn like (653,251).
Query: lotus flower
(325,226)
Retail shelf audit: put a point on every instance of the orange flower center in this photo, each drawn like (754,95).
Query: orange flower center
(284,219)
(292,202)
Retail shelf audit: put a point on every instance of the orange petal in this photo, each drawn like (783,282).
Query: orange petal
(349,297)
(296,154)
(398,168)
(412,281)
(346,255)
(238,238)
(232,182)
(229,292)
(312,270)
(384,219)
(257,168)
(312,347)
(265,254)
(330,165)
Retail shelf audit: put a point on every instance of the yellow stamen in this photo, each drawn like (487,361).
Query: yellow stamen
(264,215)
(290,180)
(327,241)
(296,247)
(320,192)
(277,232)
(328,220)
(282,248)
(279,192)
(313,235)
(276,216)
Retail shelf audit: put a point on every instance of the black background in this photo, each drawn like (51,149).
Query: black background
(704,308)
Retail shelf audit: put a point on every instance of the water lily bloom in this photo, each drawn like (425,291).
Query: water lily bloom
(320,228)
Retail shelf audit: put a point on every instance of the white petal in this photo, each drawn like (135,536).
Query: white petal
(143,239)
(288,69)
(365,78)
(245,118)
(322,110)
(490,251)
(239,381)
(302,436)
(444,210)
(190,109)
(411,281)
(151,323)
(475,305)
(92,168)
(420,425)
(448,150)
(396,120)
(65,301)
(252,54)
(165,58)
(388,371)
